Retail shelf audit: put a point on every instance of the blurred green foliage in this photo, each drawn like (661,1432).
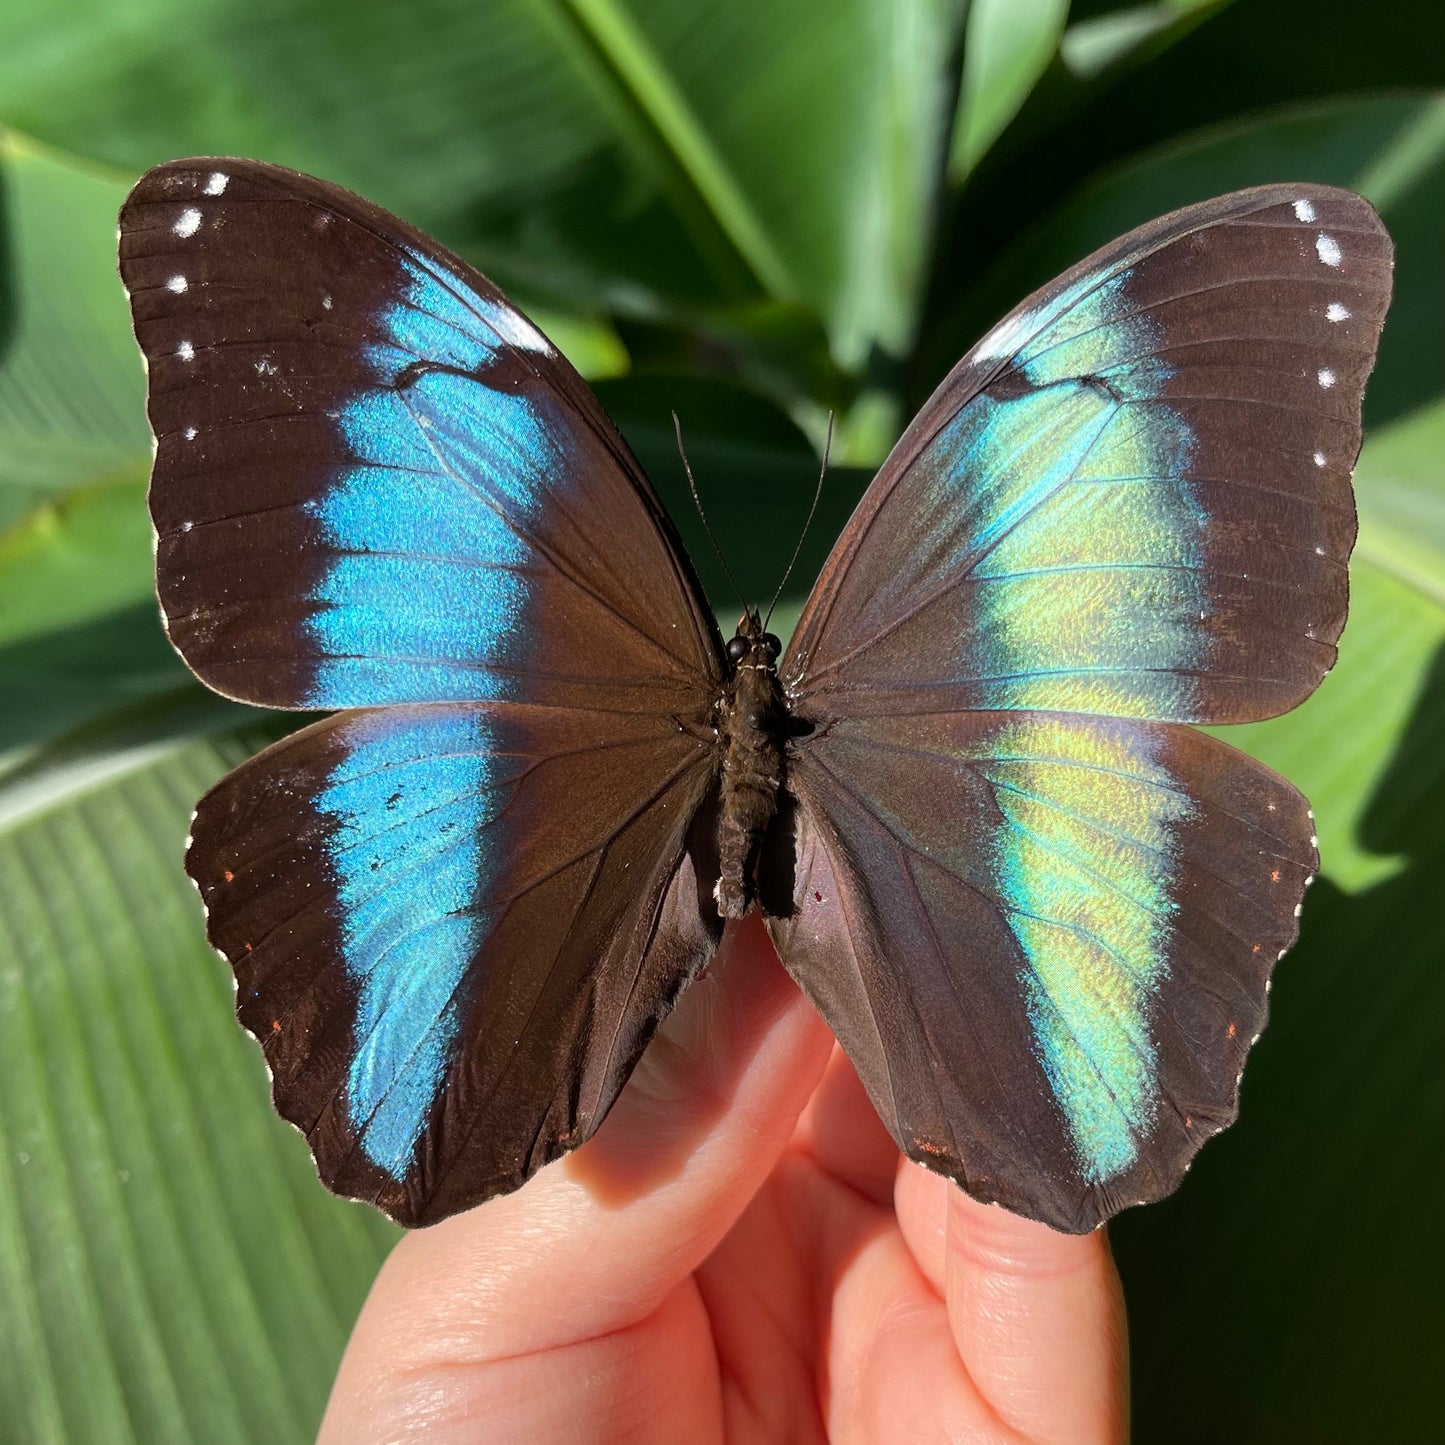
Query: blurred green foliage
(752,212)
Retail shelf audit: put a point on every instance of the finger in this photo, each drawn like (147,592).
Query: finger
(892,1371)
(841,1132)
(921,1199)
(576,1253)
(1038,1320)
(889,1370)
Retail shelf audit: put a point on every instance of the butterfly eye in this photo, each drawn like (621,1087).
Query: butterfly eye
(771,645)
(737,649)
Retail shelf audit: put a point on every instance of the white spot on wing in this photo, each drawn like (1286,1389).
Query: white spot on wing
(1336,312)
(266,367)
(176,284)
(516,330)
(1304,209)
(326,300)
(1006,338)
(186,351)
(1326,377)
(190,433)
(1321,459)
(1327,249)
(216,185)
(188,222)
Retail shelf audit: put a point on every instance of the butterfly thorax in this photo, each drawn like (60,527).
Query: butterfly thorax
(752,728)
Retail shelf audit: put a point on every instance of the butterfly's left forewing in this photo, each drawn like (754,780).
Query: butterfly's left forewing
(1133,496)
(1128,508)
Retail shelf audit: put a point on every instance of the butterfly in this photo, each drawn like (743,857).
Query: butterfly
(1037,909)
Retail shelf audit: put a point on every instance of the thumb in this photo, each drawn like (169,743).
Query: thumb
(596,1243)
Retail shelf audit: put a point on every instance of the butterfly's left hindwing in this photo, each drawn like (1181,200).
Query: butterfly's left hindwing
(453,931)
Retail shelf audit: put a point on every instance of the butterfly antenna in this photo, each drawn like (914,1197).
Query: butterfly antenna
(812,512)
(707,526)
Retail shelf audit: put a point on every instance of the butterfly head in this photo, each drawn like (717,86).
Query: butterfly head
(752,645)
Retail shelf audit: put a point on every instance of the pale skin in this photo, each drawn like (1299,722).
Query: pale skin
(739,1256)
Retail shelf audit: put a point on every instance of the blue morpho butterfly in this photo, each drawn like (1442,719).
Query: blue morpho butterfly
(1039,912)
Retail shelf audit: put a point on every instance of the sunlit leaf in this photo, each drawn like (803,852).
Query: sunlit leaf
(601,150)
(170,1270)
(1094,44)
(1008,45)
(72,392)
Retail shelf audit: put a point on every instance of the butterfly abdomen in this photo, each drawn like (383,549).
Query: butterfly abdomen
(752,726)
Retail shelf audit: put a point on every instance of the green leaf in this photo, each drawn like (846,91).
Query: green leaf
(74,557)
(72,391)
(1401,490)
(1008,46)
(1294,1281)
(1295,1270)
(1391,148)
(593,149)
(756,475)
(1339,744)
(170,1271)
(79,632)
(1342,743)
(1100,41)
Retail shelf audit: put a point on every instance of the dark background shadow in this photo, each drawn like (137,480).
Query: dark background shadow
(1294,1289)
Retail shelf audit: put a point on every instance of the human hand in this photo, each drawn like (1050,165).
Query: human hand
(740,1255)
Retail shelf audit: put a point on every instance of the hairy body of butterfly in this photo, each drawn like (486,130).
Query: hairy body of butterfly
(1039,910)
(753,730)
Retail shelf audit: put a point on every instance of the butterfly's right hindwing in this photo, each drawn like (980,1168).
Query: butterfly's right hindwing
(453,930)
(1044,941)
